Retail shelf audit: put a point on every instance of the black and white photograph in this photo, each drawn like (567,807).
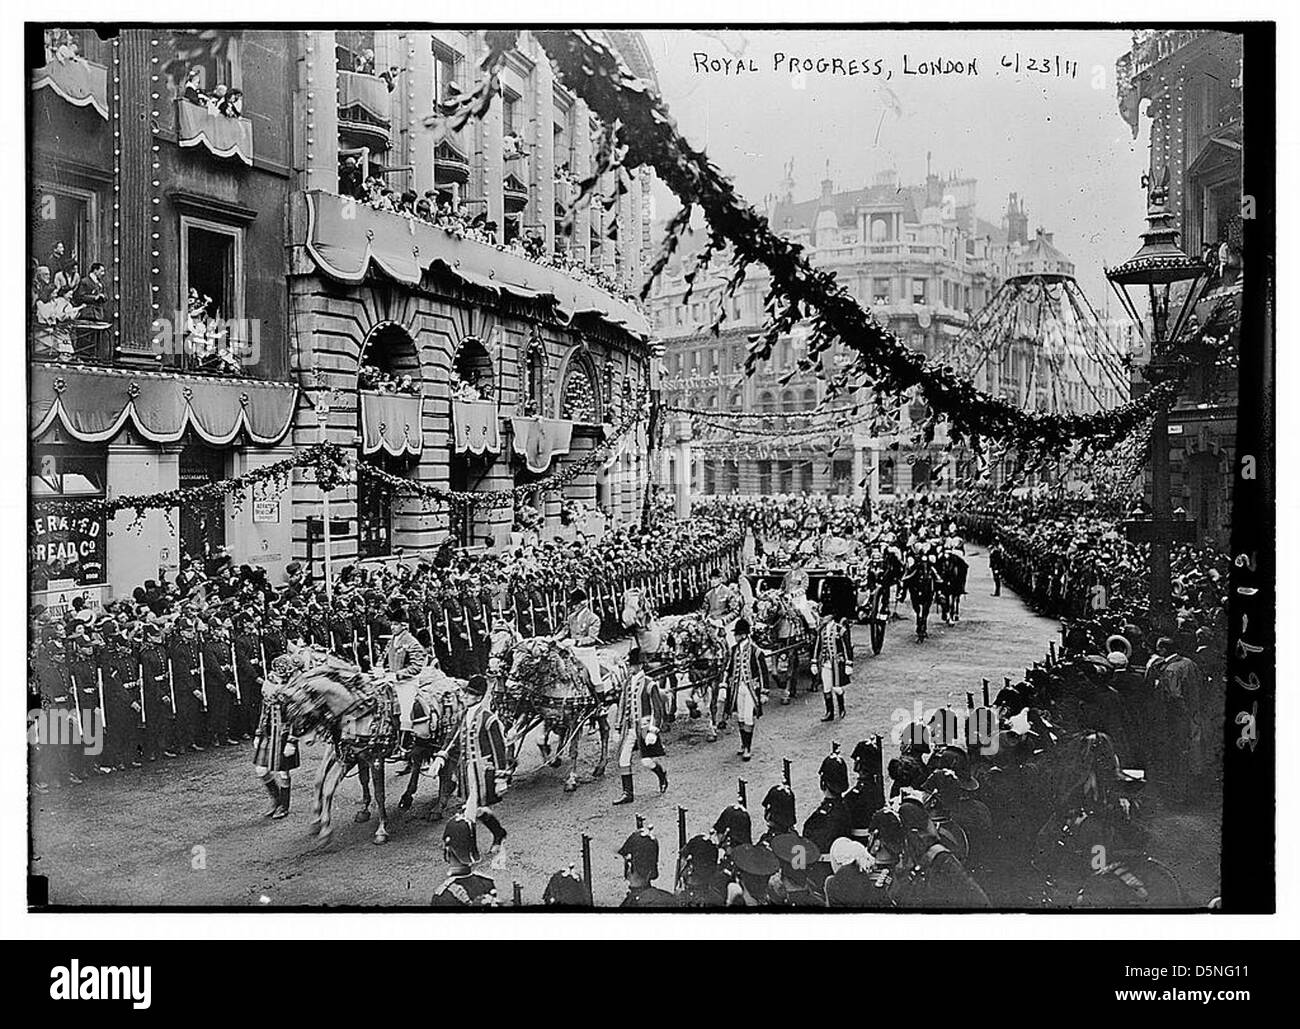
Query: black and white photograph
(592,467)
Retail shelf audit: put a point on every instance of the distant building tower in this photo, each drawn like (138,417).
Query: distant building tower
(1017,221)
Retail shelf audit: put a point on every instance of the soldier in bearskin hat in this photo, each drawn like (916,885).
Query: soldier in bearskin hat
(463,886)
(158,713)
(119,669)
(936,878)
(640,854)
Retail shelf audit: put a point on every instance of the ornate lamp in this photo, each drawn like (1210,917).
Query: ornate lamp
(1158,265)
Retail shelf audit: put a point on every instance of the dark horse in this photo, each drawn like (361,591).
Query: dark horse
(952,569)
(921,582)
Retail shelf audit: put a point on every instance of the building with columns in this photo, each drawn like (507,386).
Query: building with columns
(1189,83)
(251,300)
(923,260)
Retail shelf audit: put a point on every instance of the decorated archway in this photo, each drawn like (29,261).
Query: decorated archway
(579,397)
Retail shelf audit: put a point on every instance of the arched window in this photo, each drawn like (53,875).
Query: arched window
(580,396)
(809,398)
(389,361)
(789,404)
(737,401)
(472,371)
(535,375)
(767,402)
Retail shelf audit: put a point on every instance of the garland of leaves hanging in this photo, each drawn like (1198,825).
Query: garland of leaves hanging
(753,416)
(641,132)
(327,460)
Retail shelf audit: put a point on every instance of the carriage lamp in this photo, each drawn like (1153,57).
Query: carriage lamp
(1158,266)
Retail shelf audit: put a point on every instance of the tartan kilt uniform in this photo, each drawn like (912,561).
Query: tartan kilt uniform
(270,738)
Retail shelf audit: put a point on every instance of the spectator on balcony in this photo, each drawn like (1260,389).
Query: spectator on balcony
(364,62)
(90,294)
(63,266)
(216,98)
(351,181)
(192,91)
(233,104)
(390,77)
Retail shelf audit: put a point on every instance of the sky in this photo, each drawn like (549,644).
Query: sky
(1057,141)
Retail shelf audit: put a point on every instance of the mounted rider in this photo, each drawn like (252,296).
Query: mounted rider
(583,628)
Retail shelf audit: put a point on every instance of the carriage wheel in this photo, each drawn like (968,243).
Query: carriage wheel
(1160,886)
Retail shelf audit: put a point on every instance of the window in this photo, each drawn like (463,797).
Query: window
(216,70)
(68,549)
(810,399)
(842,476)
(806,476)
(880,291)
(63,230)
(211,302)
(509,111)
(764,476)
(710,477)
(918,291)
(887,475)
(446,71)
(785,476)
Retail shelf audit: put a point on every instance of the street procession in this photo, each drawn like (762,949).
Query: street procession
(525,518)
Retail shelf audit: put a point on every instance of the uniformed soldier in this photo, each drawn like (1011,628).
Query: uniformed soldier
(869,882)
(275,748)
(60,744)
(566,890)
(778,812)
(937,878)
(485,759)
(158,715)
(953,798)
(83,668)
(832,663)
(831,819)
(639,722)
(868,793)
(120,671)
(249,671)
(463,886)
(186,685)
(745,682)
(218,682)
(703,883)
(754,867)
(798,885)
(640,853)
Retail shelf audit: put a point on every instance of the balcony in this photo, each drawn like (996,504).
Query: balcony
(79,82)
(365,117)
(223,135)
(347,242)
(92,405)
(450,164)
(514,193)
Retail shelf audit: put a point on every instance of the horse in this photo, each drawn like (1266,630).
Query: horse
(699,649)
(538,682)
(920,583)
(952,570)
(359,714)
(433,705)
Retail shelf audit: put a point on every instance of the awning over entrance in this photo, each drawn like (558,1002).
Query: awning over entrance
(540,440)
(343,237)
(475,427)
(94,404)
(392,422)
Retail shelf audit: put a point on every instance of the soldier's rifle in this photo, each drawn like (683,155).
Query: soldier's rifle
(234,674)
(99,682)
(139,670)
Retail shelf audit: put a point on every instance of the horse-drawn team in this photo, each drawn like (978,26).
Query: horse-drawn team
(753,637)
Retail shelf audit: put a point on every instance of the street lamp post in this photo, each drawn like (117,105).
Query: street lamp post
(1158,265)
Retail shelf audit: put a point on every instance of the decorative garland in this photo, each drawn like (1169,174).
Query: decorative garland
(644,133)
(327,460)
